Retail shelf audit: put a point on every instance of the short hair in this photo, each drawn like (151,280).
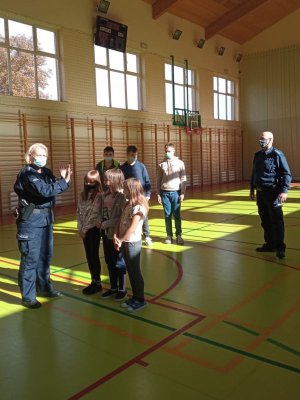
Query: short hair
(131,149)
(33,150)
(170,145)
(109,149)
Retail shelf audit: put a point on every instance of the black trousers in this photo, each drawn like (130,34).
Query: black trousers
(91,244)
(115,264)
(271,215)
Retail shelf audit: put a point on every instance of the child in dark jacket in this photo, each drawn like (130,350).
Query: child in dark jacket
(113,203)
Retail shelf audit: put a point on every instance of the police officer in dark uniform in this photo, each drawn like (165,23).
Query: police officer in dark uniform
(271,178)
(36,188)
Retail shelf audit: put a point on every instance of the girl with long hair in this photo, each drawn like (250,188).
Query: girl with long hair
(128,238)
(113,203)
(89,217)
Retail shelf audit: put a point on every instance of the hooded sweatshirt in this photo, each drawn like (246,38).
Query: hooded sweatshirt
(171,175)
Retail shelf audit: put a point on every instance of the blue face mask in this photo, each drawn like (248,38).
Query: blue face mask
(263,143)
(108,158)
(40,161)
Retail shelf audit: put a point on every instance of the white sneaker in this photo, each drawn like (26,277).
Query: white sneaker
(148,241)
(168,240)
(179,240)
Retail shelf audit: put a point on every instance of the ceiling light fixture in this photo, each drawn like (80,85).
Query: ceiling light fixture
(200,43)
(103,6)
(221,50)
(176,34)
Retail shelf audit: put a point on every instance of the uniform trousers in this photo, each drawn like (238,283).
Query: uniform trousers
(271,215)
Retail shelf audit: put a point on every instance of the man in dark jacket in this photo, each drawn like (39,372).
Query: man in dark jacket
(271,178)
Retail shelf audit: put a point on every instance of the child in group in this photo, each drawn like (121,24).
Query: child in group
(128,238)
(113,203)
(89,216)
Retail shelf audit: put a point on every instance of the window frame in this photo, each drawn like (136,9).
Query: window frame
(35,52)
(109,70)
(229,98)
(183,86)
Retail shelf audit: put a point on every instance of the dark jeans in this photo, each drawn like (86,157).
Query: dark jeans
(91,244)
(115,264)
(36,248)
(271,216)
(132,255)
(171,205)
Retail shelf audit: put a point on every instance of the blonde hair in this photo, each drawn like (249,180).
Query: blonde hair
(170,145)
(135,193)
(116,178)
(33,149)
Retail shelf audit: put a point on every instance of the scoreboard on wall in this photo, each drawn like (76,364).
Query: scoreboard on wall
(110,34)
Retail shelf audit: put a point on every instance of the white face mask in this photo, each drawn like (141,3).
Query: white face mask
(132,160)
(40,161)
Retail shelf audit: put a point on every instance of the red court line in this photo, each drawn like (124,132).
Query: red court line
(241,253)
(9,262)
(135,360)
(158,303)
(263,336)
(177,280)
(248,299)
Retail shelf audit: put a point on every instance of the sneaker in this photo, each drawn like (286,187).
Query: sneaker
(120,295)
(51,294)
(280,254)
(148,241)
(109,293)
(168,240)
(93,287)
(136,306)
(127,303)
(179,240)
(31,304)
(265,248)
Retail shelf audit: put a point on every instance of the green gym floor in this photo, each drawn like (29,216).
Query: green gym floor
(222,322)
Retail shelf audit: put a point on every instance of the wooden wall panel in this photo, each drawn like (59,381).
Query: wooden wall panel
(211,156)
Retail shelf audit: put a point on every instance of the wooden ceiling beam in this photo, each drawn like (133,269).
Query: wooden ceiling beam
(231,16)
(161,6)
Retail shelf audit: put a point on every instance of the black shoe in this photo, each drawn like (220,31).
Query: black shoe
(265,248)
(120,295)
(51,294)
(31,304)
(93,288)
(108,294)
(280,254)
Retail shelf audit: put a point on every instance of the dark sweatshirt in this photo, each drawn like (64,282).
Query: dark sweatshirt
(139,171)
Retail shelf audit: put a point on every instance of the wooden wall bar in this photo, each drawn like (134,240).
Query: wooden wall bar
(211,156)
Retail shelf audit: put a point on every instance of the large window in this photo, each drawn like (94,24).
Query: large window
(28,61)
(183,92)
(224,99)
(117,79)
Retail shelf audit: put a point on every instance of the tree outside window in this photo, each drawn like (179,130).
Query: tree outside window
(28,61)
